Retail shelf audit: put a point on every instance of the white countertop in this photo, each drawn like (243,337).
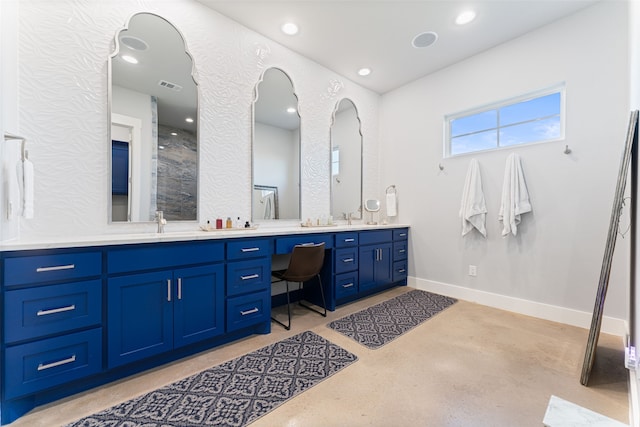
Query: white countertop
(178,236)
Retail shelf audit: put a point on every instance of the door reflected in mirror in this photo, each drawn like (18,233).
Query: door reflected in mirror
(346,162)
(153,105)
(276,149)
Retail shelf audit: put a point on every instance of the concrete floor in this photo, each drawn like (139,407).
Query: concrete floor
(470,365)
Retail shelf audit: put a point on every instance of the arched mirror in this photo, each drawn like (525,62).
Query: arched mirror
(276,148)
(153,105)
(346,161)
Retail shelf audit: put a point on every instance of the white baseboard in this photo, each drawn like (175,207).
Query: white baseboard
(634,410)
(610,325)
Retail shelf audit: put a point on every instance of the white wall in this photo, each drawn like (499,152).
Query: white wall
(63,50)
(555,260)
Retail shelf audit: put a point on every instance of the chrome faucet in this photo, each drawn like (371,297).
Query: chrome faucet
(349,218)
(161,221)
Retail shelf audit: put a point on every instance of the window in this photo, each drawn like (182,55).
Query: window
(335,161)
(535,117)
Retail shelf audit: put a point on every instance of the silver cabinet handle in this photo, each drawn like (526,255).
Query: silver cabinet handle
(42,367)
(402,270)
(56,310)
(179,287)
(169,290)
(249,249)
(402,251)
(55,268)
(403,234)
(349,240)
(249,277)
(253,310)
(348,285)
(381,254)
(348,260)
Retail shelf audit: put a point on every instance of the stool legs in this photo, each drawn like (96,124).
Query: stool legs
(324,304)
(288,326)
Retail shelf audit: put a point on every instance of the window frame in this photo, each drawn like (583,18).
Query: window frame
(496,106)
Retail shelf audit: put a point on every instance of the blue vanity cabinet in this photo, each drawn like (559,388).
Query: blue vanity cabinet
(400,253)
(153,312)
(346,261)
(376,262)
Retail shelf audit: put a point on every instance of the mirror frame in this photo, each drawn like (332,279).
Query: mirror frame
(256,96)
(114,54)
(331,184)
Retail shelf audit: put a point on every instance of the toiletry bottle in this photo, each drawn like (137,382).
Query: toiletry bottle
(229,222)
(219,223)
(208,225)
(247,225)
(238,223)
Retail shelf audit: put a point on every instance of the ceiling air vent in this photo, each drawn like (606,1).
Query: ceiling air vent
(170,85)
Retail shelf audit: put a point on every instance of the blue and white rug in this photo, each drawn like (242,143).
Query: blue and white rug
(234,393)
(375,326)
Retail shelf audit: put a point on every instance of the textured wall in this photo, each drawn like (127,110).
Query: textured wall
(63,49)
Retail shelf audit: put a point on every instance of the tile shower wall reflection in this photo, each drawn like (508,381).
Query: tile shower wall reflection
(177,174)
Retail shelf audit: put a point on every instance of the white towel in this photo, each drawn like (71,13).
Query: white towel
(473,209)
(27,195)
(392,204)
(515,196)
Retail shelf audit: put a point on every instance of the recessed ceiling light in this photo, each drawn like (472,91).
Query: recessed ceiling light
(174,133)
(130,59)
(424,39)
(289,29)
(291,110)
(465,17)
(188,120)
(364,71)
(134,43)
(161,147)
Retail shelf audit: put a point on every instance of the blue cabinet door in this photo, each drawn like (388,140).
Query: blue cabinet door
(198,310)
(140,318)
(375,266)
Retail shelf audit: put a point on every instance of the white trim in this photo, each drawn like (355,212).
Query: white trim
(634,410)
(610,325)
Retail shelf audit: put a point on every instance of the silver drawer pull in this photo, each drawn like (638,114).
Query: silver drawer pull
(348,285)
(249,249)
(249,277)
(56,310)
(55,268)
(348,260)
(349,240)
(402,270)
(402,251)
(403,234)
(253,310)
(71,359)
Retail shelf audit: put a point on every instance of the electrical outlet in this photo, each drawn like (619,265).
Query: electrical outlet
(473,270)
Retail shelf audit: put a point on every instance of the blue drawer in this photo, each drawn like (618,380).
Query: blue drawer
(149,257)
(248,310)
(47,363)
(346,259)
(380,236)
(248,249)
(248,276)
(399,250)
(401,234)
(284,245)
(346,284)
(46,268)
(44,310)
(346,239)
(399,270)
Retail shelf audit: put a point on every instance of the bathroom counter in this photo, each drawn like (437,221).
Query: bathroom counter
(60,242)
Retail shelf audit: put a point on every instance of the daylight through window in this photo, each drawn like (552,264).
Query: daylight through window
(537,117)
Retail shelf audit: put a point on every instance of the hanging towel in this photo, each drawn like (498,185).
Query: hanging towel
(473,209)
(27,195)
(515,196)
(392,204)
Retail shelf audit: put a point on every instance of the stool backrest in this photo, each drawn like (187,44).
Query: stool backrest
(306,262)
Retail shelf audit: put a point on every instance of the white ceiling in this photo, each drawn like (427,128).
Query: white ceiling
(346,35)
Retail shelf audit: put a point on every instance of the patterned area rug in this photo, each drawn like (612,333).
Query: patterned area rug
(377,325)
(234,393)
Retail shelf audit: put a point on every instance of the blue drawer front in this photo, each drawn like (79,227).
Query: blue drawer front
(47,268)
(136,258)
(346,284)
(36,312)
(346,239)
(399,250)
(346,260)
(285,245)
(248,249)
(369,237)
(248,310)
(399,270)
(401,234)
(248,276)
(47,363)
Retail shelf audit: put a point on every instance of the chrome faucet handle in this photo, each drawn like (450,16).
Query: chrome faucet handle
(349,218)
(161,221)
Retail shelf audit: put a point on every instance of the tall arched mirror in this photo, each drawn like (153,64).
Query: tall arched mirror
(346,161)
(276,148)
(153,105)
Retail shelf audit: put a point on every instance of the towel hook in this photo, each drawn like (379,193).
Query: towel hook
(11,137)
(391,189)
(440,166)
(567,150)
